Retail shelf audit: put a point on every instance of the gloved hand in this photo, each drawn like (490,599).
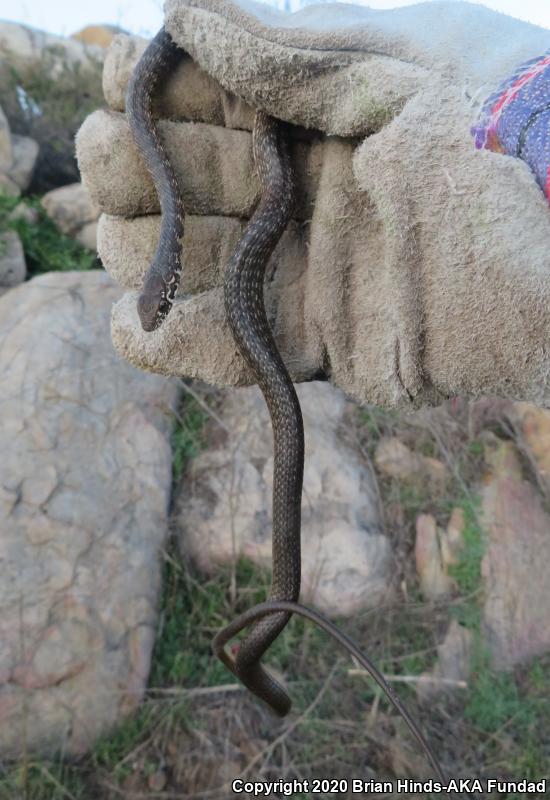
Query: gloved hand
(416,268)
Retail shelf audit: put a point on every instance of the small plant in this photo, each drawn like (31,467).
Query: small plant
(190,613)
(46,248)
(187,436)
(467,572)
(493,698)
(377,421)
(110,750)
(42,780)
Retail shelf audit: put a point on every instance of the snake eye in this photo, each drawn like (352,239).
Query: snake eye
(164,307)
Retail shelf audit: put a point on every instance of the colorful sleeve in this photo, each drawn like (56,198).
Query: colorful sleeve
(515,120)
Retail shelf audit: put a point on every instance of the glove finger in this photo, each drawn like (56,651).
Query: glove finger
(213,165)
(188,93)
(195,341)
(127,246)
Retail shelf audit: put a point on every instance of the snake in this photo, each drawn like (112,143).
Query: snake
(247,319)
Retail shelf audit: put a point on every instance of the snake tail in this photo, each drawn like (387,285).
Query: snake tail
(246,315)
(262,609)
(162,278)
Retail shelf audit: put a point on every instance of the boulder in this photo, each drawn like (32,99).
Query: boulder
(13,269)
(533,426)
(395,460)
(85,479)
(452,668)
(70,208)
(6,154)
(7,186)
(25,153)
(516,611)
(224,502)
(435,582)
(87,236)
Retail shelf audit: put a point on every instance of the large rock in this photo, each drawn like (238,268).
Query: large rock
(533,426)
(13,268)
(18,156)
(395,460)
(435,551)
(6,154)
(73,212)
(452,668)
(25,153)
(516,613)
(224,506)
(8,186)
(87,236)
(85,479)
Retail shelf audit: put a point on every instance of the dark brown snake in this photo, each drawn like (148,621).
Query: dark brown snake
(244,303)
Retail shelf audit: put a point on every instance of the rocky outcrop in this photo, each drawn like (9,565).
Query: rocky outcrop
(21,45)
(224,504)
(18,156)
(85,478)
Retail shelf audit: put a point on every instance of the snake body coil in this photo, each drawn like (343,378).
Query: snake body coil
(247,318)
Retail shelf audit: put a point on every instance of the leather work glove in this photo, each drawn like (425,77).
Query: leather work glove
(416,267)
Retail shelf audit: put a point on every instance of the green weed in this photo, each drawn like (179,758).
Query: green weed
(414,499)
(188,437)
(190,613)
(42,780)
(377,421)
(493,699)
(467,572)
(46,248)
(110,750)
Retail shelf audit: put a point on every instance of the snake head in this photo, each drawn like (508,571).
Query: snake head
(153,304)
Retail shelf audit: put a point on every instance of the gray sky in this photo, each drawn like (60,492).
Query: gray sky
(145,16)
